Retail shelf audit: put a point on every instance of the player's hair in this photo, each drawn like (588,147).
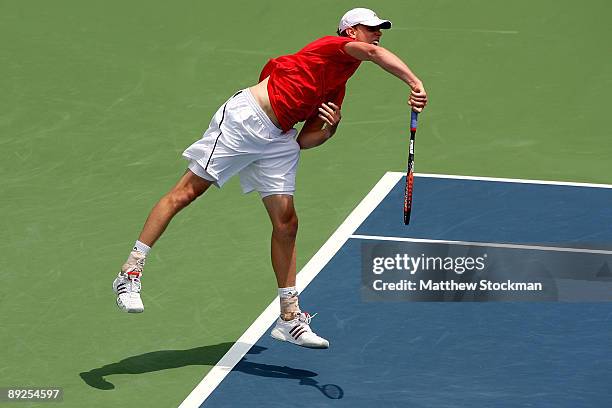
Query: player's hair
(341,34)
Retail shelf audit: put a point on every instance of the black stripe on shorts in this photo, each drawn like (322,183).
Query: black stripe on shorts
(220,132)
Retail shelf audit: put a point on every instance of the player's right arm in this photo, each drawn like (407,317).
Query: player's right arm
(392,64)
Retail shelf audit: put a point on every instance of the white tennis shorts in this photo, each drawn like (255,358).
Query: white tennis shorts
(242,139)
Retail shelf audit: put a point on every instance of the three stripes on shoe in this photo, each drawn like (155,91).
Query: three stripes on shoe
(297,331)
(132,277)
(121,288)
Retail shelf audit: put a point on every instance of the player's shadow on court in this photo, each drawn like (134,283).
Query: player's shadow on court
(305,377)
(205,355)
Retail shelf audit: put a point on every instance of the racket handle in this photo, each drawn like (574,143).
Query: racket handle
(414,117)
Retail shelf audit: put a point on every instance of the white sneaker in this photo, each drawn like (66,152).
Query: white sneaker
(127,284)
(297,331)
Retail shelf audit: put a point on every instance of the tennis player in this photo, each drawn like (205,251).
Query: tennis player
(253,135)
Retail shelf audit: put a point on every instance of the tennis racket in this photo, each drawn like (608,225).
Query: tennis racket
(414,116)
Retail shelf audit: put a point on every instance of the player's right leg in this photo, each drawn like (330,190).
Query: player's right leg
(188,188)
(127,284)
(214,159)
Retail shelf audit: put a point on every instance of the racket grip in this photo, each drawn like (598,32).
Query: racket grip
(414,117)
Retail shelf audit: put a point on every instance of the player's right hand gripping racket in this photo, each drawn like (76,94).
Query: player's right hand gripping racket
(414,116)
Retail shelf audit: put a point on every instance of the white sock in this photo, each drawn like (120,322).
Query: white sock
(139,246)
(289,303)
(285,293)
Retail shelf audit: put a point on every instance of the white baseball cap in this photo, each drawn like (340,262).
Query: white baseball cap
(361,16)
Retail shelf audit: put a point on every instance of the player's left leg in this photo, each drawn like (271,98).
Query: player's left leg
(284,231)
(272,174)
(293,325)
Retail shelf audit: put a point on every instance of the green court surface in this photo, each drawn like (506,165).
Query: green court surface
(100,98)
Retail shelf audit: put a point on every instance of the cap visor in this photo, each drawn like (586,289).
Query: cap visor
(377,22)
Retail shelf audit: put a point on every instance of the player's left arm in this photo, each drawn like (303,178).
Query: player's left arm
(392,64)
(319,129)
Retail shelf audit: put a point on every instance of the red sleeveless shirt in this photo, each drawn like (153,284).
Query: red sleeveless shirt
(300,82)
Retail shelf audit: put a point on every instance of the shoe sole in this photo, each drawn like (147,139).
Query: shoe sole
(125,309)
(278,335)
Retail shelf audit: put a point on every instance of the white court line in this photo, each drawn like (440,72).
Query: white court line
(457,30)
(306,275)
(510,180)
(482,244)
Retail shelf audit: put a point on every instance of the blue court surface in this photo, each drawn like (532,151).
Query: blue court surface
(444,354)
